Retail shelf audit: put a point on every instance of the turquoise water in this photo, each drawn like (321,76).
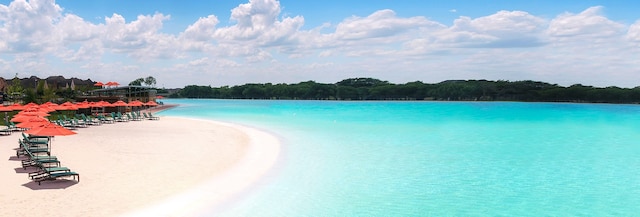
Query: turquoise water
(438,158)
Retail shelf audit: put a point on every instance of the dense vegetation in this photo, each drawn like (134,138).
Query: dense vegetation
(374,89)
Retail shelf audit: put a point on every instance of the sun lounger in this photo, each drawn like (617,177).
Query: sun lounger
(39,161)
(35,140)
(34,149)
(118,117)
(104,119)
(54,176)
(6,131)
(151,117)
(78,124)
(13,127)
(44,171)
(137,116)
(90,120)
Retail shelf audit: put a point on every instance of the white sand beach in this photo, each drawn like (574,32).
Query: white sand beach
(171,167)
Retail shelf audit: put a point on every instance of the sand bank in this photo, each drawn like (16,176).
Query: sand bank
(171,167)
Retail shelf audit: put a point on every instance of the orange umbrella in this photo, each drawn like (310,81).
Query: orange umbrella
(25,117)
(17,106)
(135,103)
(151,103)
(105,104)
(83,105)
(95,104)
(33,122)
(33,113)
(50,129)
(159,97)
(98,84)
(49,104)
(112,83)
(5,109)
(67,106)
(119,103)
(35,109)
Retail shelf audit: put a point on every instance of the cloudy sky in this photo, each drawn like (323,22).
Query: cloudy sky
(259,41)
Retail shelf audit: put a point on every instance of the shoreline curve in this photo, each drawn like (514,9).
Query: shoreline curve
(260,157)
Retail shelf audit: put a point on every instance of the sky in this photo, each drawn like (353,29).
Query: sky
(229,42)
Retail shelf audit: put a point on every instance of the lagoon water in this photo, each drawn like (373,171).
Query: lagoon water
(438,158)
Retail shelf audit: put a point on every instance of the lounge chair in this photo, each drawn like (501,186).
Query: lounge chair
(151,117)
(104,119)
(35,140)
(45,171)
(56,175)
(118,117)
(78,124)
(6,131)
(90,120)
(33,149)
(136,116)
(13,127)
(39,161)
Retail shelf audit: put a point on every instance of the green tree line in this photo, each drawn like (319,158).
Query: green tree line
(453,90)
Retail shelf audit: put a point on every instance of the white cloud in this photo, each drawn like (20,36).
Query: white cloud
(383,23)
(502,29)
(589,22)
(264,45)
(201,30)
(634,32)
(29,26)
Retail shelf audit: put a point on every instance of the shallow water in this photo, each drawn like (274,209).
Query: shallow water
(438,158)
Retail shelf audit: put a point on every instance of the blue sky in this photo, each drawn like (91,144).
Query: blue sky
(235,42)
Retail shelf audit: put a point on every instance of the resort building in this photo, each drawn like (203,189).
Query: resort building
(125,93)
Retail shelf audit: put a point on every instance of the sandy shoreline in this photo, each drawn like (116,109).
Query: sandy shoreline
(172,167)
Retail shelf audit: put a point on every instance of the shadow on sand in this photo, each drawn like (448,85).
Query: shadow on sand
(25,170)
(51,184)
(14,158)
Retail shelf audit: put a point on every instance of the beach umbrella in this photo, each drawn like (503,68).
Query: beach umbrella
(105,104)
(31,104)
(50,130)
(16,107)
(159,97)
(95,105)
(49,104)
(151,103)
(35,109)
(98,84)
(23,118)
(32,113)
(135,103)
(112,83)
(83,105)
(119,103)
(67,106)
(33,122)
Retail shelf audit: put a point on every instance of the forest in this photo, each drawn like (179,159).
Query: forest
(451,90)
